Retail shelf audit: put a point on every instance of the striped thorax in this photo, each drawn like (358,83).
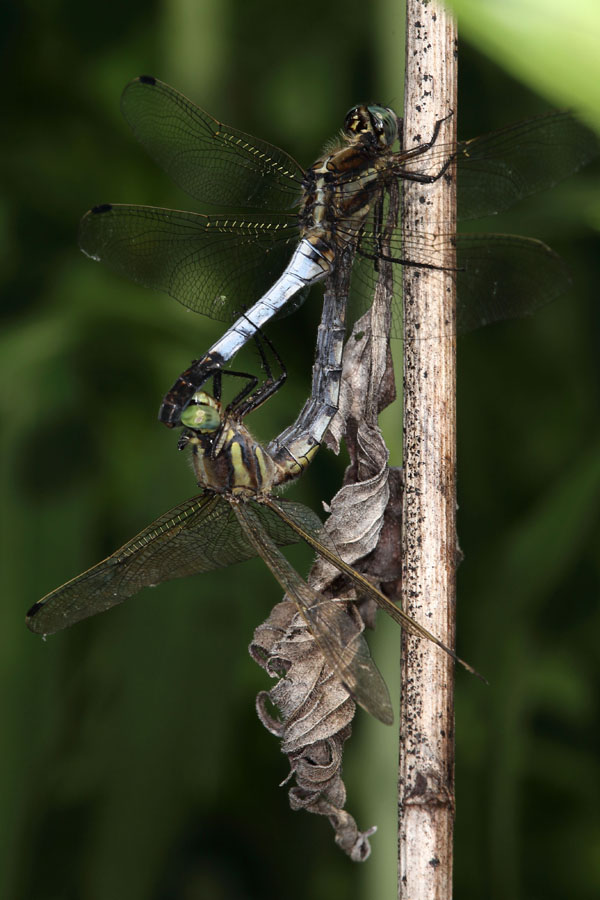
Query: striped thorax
(226,458)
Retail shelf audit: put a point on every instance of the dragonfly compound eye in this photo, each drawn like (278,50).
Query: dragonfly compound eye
(203,413)
(384,123)
(357,121)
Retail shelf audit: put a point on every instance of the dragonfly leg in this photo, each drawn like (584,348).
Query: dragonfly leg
(247,389)
(427,145)
(262,339)
(217,385)
(407,262)
(269,387)
(421,178)
(420,150)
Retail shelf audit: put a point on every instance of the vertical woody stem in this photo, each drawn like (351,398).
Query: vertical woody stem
(426,776)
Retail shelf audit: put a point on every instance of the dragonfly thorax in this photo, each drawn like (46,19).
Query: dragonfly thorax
(341,186)
(226,458)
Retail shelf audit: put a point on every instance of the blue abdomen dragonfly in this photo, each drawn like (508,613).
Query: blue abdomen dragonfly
(285,227)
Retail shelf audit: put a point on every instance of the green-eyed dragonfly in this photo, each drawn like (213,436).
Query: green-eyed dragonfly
(218,264)
(235,517)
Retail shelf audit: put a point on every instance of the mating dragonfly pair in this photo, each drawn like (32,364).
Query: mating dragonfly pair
(215,264)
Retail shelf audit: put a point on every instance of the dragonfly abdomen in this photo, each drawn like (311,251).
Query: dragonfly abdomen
(311,262)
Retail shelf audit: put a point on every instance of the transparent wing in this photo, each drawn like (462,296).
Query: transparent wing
(503,276)
(496,170)
(498,276)
(207,159)
(276,527)
(218,267)
(200,535)
(335,632)
(322,544)
(214,265)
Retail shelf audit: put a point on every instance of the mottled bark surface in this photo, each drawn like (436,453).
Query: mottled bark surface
(426,781)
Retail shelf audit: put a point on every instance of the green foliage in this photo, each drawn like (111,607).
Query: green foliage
(550,45)
(133,765)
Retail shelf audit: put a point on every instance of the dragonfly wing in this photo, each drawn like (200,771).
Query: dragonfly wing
(497,170)
(322,544)
(335,632)
(503,276)
(499,276)
(271,520)
(211,264)
(198,536)
(207,159)
(365,269)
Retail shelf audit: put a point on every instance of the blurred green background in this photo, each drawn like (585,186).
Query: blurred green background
(132,762)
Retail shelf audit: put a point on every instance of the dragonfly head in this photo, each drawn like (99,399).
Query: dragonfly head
(379,123)
(203,413)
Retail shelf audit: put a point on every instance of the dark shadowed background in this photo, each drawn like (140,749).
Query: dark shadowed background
(132,764)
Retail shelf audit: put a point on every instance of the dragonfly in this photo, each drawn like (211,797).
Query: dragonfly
(235,517)
(283,227)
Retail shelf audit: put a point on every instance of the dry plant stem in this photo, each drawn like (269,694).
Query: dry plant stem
(426,776)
